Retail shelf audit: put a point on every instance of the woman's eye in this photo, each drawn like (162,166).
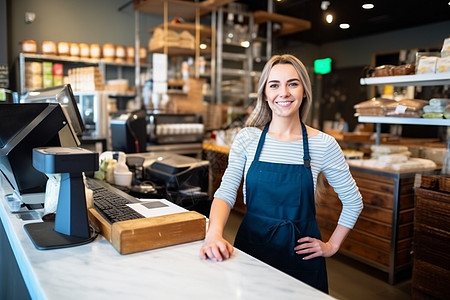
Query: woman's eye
(273,86)
(293,84)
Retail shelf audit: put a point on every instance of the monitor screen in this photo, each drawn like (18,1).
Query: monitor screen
(63,95)
(129,132)
(26,126)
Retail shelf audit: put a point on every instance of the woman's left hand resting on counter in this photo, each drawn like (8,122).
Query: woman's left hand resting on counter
(215,246)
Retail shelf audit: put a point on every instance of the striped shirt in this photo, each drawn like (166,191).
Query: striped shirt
(326,157)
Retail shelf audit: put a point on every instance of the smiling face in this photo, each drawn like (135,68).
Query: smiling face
(284,91)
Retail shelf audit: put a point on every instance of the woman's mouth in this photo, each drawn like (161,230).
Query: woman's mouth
(284,103)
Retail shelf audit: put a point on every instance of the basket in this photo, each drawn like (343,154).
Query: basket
(430,181)
(444,183)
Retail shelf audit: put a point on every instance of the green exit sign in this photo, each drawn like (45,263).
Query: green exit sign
(322,66)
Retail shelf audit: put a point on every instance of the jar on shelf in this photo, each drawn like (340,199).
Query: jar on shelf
(48,47)
(95,51)
(120,53)
(84,50)
(130,54)
(63,49)
(108,52)
(29,46)
(74,50)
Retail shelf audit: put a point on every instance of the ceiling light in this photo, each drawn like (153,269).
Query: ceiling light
(368,6)
(203,46)
(324,5)
(329,18)
(344,26)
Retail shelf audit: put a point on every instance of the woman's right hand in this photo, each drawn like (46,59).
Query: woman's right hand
(216,248)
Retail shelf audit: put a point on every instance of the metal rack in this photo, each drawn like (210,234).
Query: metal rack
(407,80)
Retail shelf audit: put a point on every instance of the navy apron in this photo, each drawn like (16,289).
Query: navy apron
(281,210)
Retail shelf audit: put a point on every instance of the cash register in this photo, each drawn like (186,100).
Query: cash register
(183,180)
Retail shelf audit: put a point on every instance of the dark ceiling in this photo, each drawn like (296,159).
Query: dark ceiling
(387,15)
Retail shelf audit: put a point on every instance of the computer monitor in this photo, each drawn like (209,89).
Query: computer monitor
(25,126)
(63,95)
(129,132)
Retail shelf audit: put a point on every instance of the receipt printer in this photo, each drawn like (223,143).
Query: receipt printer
(179,173)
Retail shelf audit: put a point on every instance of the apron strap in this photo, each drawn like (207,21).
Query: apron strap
(261,142)
(306,157)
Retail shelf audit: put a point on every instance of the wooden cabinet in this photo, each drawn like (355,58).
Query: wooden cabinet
(382,236)
(431,266)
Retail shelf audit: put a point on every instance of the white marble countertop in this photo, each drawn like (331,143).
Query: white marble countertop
(98,271)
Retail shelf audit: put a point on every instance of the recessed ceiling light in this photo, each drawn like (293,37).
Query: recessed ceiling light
(368,6)
(344,26)
(329,18)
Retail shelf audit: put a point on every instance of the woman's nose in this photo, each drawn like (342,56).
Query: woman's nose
(285,91)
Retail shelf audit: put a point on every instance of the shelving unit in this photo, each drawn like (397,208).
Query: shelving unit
(383,235)
(69,61)
(409,80)
(406,80)
(403,121)
(224,64)
(204,31)
(240,57)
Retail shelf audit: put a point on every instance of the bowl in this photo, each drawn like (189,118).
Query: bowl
(123,178)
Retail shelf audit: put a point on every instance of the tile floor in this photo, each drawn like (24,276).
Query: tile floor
(347,279)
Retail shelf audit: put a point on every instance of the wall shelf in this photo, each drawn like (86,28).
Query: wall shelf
(68,62)
(403,121)
(187,9)
(409,80)
(288,24)
(205,31)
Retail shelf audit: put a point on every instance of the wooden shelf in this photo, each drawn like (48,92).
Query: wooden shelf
(205,31)
(288,24)
(179,8)
(179,51)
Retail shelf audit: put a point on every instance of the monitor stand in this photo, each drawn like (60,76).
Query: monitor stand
(71,225)
(44,237)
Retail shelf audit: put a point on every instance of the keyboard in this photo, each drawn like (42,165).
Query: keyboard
(111,202)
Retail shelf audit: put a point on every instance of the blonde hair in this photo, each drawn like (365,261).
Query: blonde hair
(262,114)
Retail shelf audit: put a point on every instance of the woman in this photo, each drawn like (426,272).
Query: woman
(280,159)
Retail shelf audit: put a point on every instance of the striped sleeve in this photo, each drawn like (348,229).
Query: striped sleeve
(336,170)
(237,164)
